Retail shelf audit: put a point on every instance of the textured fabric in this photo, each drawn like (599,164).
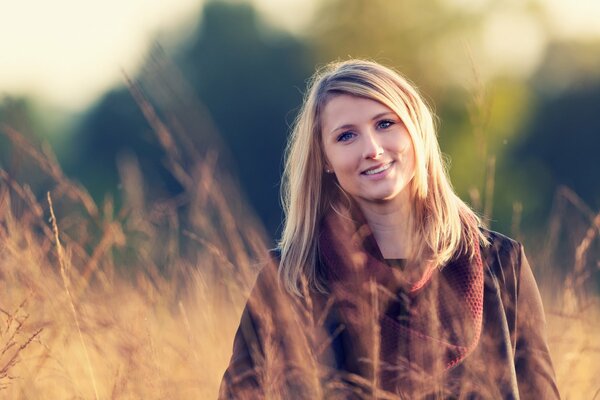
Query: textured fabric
(473,330)
(355,274)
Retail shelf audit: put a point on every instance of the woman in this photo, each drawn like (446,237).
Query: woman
(384,283)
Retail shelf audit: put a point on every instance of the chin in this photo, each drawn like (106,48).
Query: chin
(381,197)
(386,196)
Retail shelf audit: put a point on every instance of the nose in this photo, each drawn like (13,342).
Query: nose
(373,148)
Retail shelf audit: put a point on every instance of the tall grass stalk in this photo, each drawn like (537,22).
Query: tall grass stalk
(67,285)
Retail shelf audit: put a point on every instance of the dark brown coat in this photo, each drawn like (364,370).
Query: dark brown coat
(318,349)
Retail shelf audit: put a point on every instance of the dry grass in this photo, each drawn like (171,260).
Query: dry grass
(144,303)
(104,306)
(572,304)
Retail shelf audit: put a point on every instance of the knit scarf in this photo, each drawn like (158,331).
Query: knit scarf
(394,328)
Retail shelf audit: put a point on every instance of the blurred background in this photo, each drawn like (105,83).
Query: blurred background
(158,129)
(515,84)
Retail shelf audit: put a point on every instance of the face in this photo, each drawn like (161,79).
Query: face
(368,148)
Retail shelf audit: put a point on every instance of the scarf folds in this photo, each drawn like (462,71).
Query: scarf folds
(398,332)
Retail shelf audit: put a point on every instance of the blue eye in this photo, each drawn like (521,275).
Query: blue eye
(345,136)
(384,124)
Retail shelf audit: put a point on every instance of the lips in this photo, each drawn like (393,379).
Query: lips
(377,169)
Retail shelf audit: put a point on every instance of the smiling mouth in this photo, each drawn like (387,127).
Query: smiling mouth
(378,169)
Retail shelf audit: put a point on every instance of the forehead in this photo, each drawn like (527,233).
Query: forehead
(345,109)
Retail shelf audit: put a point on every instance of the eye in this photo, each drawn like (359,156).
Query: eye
(345,136)
(384,124)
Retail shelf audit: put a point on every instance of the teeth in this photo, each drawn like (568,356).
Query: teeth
(378,170)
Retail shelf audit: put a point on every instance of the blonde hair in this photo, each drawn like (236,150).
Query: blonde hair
(445,225)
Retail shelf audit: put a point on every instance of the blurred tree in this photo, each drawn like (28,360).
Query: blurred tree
(20,114)
(113,127)
(559,141)
(251,79)
(15,113)
(424,39)
(557,156)
(564,137)
(246,74)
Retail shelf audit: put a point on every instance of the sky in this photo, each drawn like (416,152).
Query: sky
(68,52)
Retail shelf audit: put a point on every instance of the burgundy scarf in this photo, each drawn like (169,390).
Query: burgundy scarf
(393,327)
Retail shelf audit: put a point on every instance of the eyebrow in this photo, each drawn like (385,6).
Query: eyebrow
(347,126)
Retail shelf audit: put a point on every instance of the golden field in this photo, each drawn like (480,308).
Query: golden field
(143,302)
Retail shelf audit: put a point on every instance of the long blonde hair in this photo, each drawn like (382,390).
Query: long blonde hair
(445,225)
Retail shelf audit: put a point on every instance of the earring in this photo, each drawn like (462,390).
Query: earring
(328,170)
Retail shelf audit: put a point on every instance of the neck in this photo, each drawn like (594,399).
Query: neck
(392,226)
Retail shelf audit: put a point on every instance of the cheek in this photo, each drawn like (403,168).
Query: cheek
(406,155)
(405,144)
(342,160)
(411,163)
(406,149)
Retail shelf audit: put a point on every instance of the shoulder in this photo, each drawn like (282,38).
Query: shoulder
(269,271)
(267,276)
(502,259)
(499,245)
(268,286)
